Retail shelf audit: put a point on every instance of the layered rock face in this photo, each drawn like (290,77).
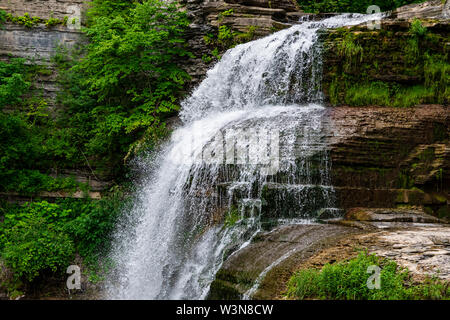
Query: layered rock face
(45,8)
(263,16)
(39,43)
(389,157)
(384,157)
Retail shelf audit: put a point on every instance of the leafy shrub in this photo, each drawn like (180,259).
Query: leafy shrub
(417,28)
(111,106)
(93,224)
(348,280)
(12,81)
(33,241)
(2,17)
(40,236)
(22,152)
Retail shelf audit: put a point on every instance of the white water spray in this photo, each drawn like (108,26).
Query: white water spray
(203,199)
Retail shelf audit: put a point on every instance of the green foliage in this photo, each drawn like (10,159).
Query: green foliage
(12,81)
(376,93)
(53,22)
(418,75)
(33,241)
(41,237)
(348,281)
(360,6)
(384,94)
(109,8)
(437,77)
(232,217)
(126,81)
(225,34)
(206,58)
(225,39)
(418,33)
(109,110)
(28,142)
(2,17)
(404,180)
(29,22)
(417,28)
(28,181)
(226,13)
(350,51)
(93,224)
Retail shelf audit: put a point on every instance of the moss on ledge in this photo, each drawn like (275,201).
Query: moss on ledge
(398,68)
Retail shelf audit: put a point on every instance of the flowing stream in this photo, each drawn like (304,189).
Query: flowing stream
(251,153)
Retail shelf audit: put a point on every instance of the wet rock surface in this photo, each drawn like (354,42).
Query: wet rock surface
(422,248)
(274,252)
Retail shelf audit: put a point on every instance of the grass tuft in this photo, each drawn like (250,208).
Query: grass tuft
(348,281)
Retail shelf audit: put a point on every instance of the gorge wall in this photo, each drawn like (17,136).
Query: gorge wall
(383,157)
(391,156)
(388,156)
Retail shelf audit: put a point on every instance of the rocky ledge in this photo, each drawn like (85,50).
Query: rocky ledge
(262,269)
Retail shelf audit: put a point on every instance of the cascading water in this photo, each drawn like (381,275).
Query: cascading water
(251,152)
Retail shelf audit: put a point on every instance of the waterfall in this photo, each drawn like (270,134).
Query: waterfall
(251,153)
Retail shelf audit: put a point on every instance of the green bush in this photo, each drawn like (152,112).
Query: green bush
(26,143)
(417,28)
(2,17)
(33,240)
(12,81)
(93,224)
(127,81)
(41,237)
(348,281)
(117,92)
(23,151)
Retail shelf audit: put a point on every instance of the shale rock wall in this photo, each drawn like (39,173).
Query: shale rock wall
(207,15)
(389,157)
